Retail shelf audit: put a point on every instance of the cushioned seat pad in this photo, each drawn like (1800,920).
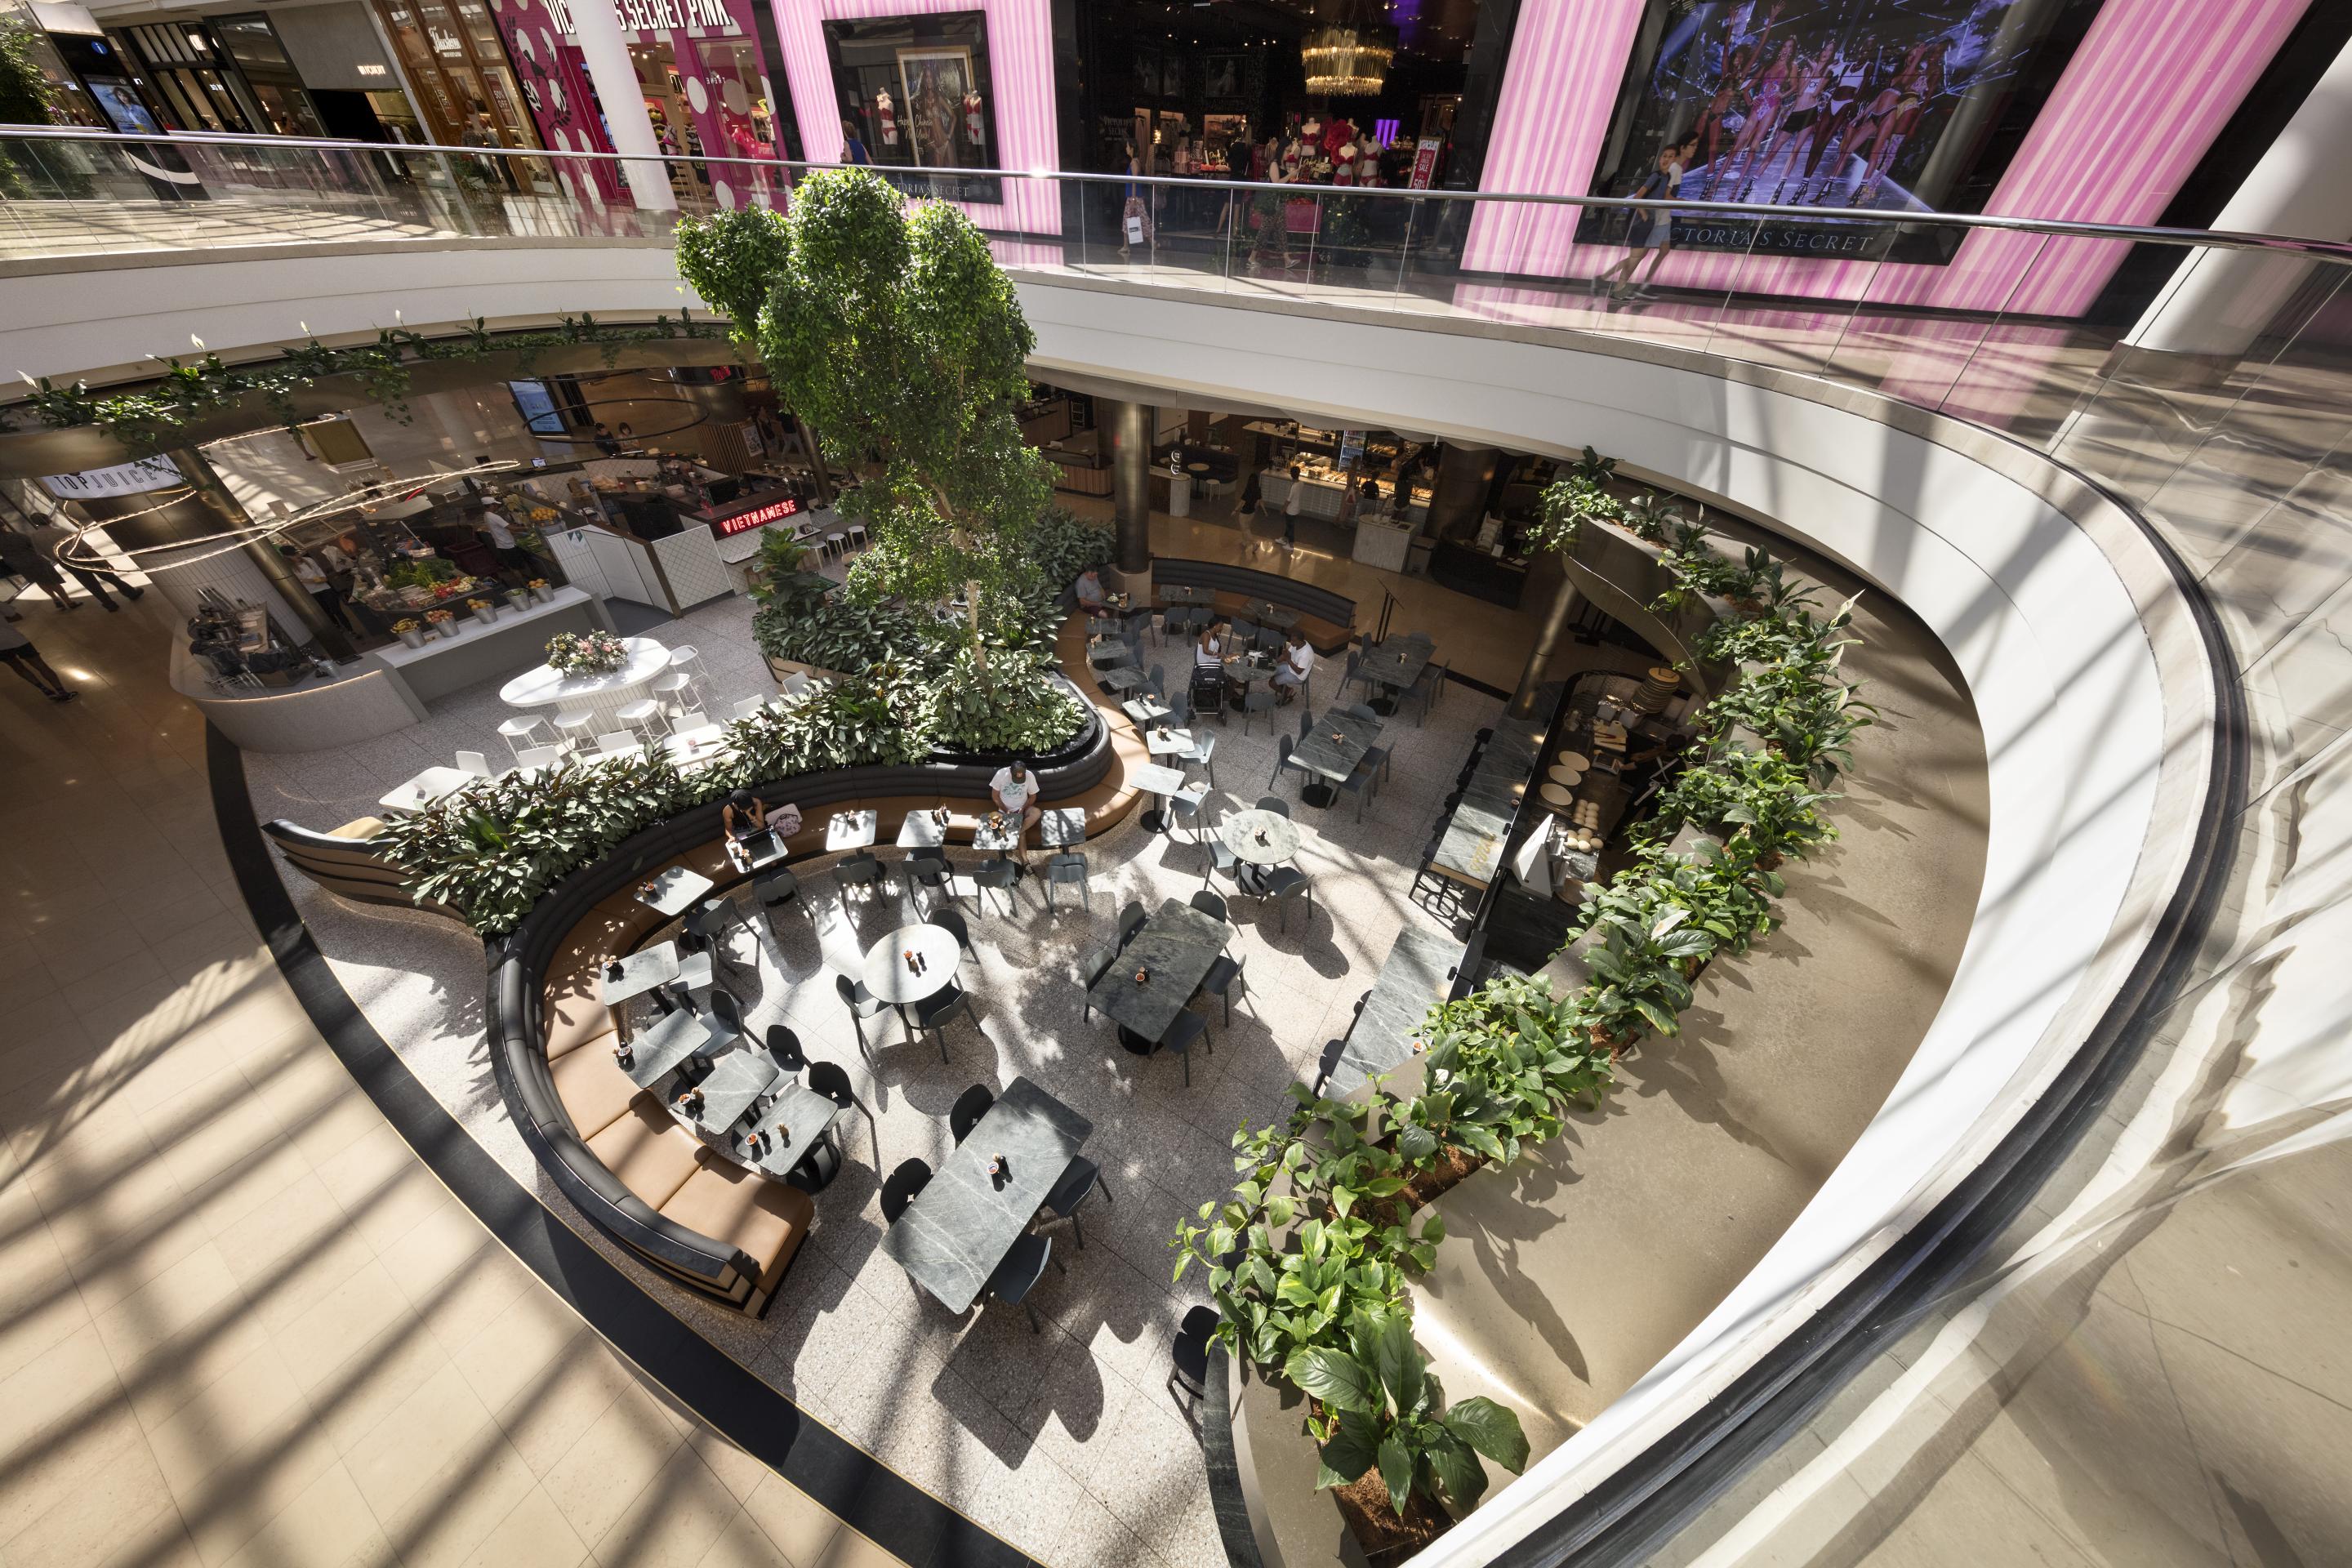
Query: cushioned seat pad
(651,1154)
(766,1219)
(593,1087)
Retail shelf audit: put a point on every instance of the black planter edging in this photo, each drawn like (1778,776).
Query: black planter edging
(846,1481)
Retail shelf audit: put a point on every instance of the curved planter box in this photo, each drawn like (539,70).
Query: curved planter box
(517,963)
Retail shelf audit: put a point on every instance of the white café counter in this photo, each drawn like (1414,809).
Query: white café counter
(388,689)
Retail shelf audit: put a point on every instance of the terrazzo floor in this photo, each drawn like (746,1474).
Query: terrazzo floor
(1069,1444)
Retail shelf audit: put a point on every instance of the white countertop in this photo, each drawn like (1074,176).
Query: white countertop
(471,630)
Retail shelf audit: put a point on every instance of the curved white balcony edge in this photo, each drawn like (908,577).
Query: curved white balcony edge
(2092,683)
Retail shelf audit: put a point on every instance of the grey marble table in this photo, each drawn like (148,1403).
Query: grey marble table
(658,1052)
(675,891)
(1194,596)
(1119,677)
(738,1079)
(1174,948)
(1417,971)
(959,1228)
(885,970)
(849,830)
(922,830)
(1247,672)
(1395,664)
(1146,710)
(800,1119)
(1240,833)
(640,973)
(1331,759)
(1063,827)
(1173,743)
(1002,836)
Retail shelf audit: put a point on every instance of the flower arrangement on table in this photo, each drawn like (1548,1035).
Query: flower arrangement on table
(587,653)
(440,617)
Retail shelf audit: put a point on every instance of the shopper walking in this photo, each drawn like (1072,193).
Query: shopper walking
(25,660)
(1290,509)
(23,559)
(96,581)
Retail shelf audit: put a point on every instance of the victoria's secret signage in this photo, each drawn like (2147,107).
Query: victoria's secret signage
(758,516)
(652,16)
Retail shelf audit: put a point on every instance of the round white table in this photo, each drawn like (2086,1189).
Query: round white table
(602,695)
(887,975)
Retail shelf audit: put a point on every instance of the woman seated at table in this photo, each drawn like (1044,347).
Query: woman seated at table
(1297,664)
(1209,660)
(1014,789)
(745,816)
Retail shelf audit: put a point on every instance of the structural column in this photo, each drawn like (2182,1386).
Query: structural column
(2220,302)
(596,26)
(1129,428)
(1564,604)
(1457,498)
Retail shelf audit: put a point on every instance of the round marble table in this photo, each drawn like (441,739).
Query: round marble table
(1240,833)
(887,975)
(602,695)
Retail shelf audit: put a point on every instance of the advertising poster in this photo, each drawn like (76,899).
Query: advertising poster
(1900,106)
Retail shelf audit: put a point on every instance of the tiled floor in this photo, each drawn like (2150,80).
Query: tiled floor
(1069,1445)
(239,1321)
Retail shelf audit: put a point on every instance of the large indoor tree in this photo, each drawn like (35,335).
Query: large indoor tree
(888,328)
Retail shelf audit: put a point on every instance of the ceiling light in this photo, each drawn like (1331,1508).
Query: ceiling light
(1348,59)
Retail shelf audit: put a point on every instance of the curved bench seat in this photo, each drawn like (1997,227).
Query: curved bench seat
(1329,619)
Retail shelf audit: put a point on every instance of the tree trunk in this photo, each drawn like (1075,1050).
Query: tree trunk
(979,651)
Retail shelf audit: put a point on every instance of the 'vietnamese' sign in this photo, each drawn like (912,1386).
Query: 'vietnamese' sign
(758,516)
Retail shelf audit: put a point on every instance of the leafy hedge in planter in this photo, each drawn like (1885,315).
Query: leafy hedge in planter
(1310,1256)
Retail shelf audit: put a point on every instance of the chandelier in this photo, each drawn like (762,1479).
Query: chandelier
(1347,60)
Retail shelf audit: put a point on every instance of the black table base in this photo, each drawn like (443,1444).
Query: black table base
(1135,1043)
(1384,704)
(1155,820)
(1319,794)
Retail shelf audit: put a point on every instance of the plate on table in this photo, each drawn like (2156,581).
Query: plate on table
(1575,760)
(1556,794)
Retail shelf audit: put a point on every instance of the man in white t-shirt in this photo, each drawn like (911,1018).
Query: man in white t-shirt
(1015,789)
(499,534)
(1297,664)
(1290,509)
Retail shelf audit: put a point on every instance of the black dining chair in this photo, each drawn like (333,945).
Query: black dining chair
(858,870)
(1063,869)
(952,922)
(1098,965)
(726,1012)
(1287,885)
(969,1106)
(785,1050)
(1306,723)
(1130,920)
(1001,877)
(862,1005)
(1212,905)
(1187,1356)
(1189,1030)
(1275,804)
(776,888)
(1223,976)
(932,1015)
(1155,681)
(929,869)
(1023,1265)
(1255,703)
(831,1079)
(1362,710)
(1081,1179)
(903,1185)
(707,923)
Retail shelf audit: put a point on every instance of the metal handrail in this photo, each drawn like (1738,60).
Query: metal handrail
(2336,251)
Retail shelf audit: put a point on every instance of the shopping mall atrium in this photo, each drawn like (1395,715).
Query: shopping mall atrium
(645,919)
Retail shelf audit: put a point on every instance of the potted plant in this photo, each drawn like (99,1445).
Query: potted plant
(409,630)
(484,611)
(442,621)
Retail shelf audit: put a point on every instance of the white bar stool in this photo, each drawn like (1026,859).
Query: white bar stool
(522,733)
(670,687)
(573,729)
(686,658)
(642,716)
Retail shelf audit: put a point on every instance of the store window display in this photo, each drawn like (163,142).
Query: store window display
(917,93)
(703,83)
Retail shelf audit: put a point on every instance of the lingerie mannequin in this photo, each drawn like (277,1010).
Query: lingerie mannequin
(888,117)
(974,126)
(1343,165)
